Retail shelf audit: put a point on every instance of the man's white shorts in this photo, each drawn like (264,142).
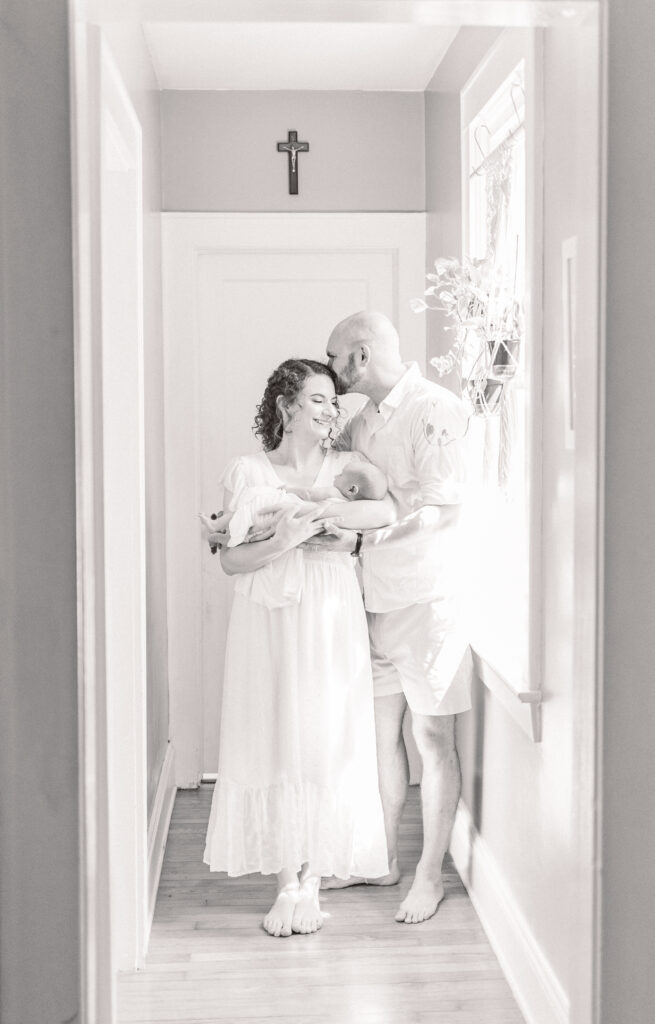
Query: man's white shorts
(418,652)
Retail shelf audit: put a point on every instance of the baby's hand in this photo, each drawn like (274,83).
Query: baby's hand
(217,526)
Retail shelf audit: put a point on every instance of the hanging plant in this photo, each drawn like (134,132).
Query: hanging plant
(487,323)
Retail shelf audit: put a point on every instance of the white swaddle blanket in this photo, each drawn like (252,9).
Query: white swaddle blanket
(249,510)
(280,582)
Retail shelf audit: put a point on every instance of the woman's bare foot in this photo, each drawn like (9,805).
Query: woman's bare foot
(307,916)
(279,919)
(421,902)
(342,883)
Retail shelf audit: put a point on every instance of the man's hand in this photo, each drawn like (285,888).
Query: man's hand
(335,538)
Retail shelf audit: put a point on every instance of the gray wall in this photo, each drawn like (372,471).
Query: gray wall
(219,150)
(39,860)
(133,61)
(628,793)
(39,950)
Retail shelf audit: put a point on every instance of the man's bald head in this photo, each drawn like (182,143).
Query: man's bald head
(361,348)
(372,329)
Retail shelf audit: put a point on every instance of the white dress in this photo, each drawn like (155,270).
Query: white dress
(297,774)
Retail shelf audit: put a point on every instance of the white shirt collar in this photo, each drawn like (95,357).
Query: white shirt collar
(399,391)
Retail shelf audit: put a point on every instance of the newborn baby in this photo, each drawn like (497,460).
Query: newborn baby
(357,481)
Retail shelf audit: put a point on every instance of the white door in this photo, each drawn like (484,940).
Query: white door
(242,293)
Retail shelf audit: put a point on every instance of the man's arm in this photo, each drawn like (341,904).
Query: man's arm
(438,463)
(361,515)
(437,455)
(427,519)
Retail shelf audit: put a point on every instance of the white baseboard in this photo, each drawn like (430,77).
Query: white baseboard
(158,829)
(534,984)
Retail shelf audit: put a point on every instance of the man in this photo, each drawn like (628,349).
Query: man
(413,430)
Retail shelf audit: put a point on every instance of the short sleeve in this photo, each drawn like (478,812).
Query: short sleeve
(234,479)
(440,450)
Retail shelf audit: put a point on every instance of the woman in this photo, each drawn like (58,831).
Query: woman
(297,789)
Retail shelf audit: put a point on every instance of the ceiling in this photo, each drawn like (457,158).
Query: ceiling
(371,45)
(303,56)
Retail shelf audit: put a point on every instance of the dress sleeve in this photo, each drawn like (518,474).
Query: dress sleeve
(439,444)
(235,480)
(343,440)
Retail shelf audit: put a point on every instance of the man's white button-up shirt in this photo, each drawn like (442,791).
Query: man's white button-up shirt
(416,437)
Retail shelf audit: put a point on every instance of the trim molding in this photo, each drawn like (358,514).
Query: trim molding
(158,826)
(534,984)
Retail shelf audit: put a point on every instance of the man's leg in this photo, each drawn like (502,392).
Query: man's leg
(440,789)
(393,777)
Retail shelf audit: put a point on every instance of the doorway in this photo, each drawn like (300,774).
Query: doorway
(502,731)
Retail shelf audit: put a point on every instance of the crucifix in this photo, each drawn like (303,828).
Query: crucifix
(293,147)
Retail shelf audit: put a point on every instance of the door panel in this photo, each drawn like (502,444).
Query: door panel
(241,296)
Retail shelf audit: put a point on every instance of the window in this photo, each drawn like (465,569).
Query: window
(498,157)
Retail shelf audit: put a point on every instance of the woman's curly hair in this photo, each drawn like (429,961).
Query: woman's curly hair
(286,381)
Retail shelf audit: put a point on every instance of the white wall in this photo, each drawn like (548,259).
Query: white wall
(133,61)
(443,185)
(521,795)
(39,856)
(443,206)
(219,151)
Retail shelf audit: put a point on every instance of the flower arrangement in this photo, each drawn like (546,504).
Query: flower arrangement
(487,321)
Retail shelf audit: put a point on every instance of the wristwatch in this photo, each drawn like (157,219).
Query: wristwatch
(358,545)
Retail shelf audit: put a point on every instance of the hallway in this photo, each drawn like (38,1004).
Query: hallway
(208,960)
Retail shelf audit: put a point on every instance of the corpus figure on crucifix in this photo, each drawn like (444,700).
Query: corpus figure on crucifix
(293,147)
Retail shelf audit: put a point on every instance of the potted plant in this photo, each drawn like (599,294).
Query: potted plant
(505,342)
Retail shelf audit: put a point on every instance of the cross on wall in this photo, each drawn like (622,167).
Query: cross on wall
(292,147)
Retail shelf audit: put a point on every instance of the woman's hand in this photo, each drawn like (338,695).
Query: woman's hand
(296,526)
(292,530)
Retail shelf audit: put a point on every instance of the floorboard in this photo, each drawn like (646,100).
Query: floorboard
(210,962)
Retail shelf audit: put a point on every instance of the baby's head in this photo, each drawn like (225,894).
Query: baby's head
(359,480)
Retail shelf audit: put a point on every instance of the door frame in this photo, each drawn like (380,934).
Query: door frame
(97,968)
(96,85)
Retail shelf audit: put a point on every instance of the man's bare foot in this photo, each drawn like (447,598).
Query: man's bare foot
(307,916)
(343,883)
(279,919)
(421,902)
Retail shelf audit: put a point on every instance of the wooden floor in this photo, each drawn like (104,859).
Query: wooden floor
(210,961)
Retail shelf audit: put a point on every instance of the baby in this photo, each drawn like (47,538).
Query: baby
(357,481)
